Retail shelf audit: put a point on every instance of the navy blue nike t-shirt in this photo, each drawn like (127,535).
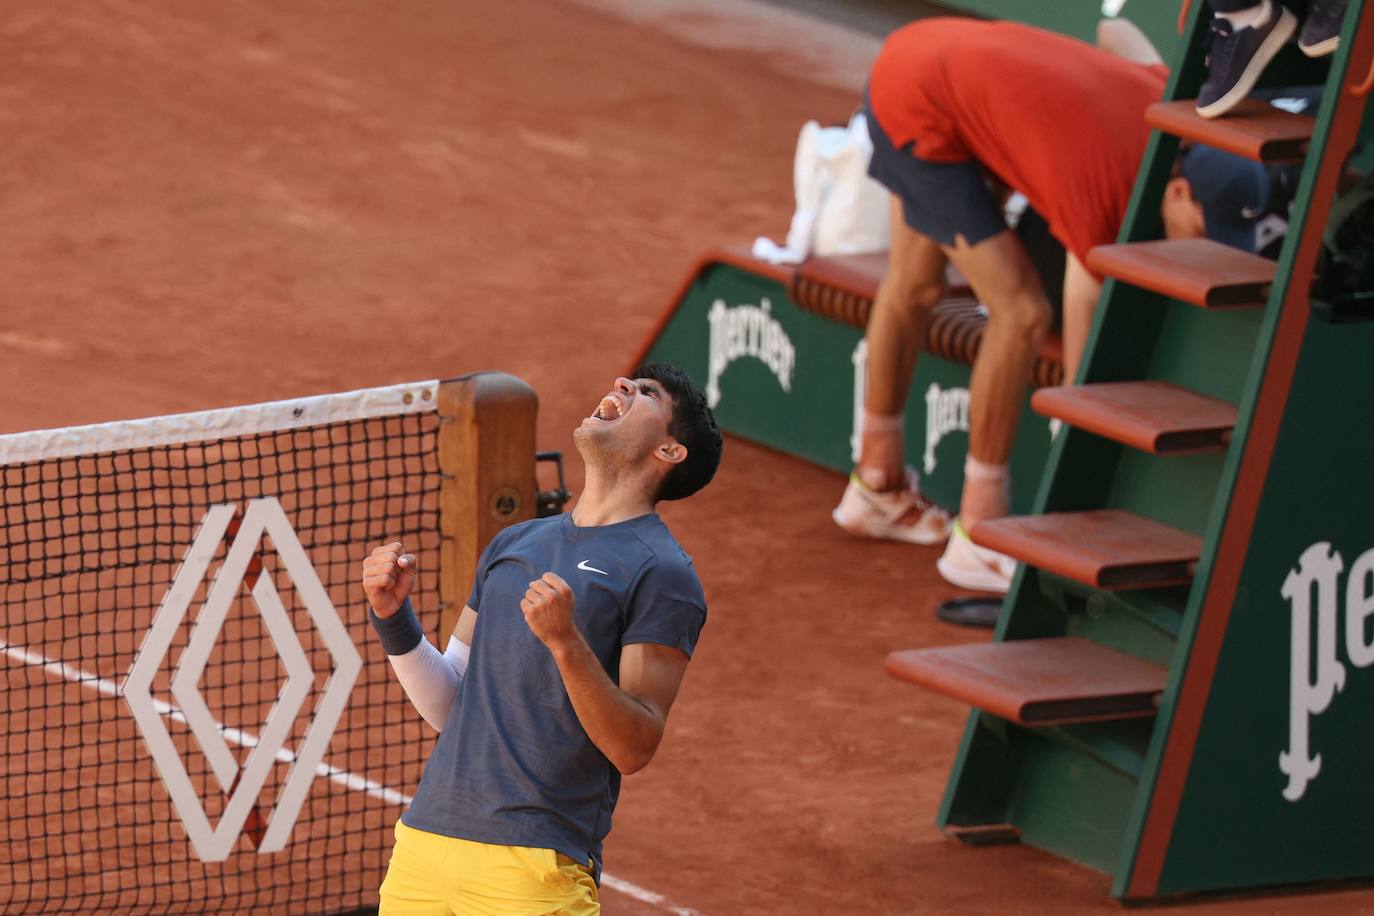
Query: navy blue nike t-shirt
(513,765)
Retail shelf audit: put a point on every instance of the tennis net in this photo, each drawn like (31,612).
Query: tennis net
(196,718)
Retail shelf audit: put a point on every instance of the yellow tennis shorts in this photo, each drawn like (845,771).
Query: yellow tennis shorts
(438,875)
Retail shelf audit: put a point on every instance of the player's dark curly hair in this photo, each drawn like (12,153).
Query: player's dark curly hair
(693,425)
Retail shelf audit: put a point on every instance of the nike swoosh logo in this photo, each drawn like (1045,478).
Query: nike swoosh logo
(585,568)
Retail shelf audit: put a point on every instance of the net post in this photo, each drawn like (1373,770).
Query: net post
(486,461)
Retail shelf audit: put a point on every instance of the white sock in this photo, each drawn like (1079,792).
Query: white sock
(879,423)
(1256,15)
(985,470)
(875,479)
(991,473)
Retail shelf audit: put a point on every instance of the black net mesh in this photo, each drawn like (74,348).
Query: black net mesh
(88,548)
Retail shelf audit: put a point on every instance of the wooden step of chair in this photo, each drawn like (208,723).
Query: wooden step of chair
(1105,548)
(1153,416)
(1055,681)
(1253,129)
(1200,271)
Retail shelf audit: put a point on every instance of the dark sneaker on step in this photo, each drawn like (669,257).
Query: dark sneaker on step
(1321,30)
(1238,57)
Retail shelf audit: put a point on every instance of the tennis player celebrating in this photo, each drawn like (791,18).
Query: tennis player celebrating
(560,672)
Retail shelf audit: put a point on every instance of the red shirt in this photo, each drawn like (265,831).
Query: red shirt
(1058,120)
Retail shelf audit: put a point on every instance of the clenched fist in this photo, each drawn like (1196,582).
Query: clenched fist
(388,577)
(548,606)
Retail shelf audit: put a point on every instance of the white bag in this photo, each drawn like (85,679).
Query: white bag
(840,210)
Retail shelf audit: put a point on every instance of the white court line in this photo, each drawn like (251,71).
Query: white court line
(333,774)
(639,893)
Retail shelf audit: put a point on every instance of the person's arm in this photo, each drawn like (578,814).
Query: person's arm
(430,680)
(625,722)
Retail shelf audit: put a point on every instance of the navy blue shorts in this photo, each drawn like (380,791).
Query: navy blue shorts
(939,199)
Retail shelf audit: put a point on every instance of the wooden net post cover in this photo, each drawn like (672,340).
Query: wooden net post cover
(486,462)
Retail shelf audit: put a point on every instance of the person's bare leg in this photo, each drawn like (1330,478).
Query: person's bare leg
(1001,274)
(1081,292)
(913,284)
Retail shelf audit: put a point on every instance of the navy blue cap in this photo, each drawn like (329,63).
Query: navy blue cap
(1233,192)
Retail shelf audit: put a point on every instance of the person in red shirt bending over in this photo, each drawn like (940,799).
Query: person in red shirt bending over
(954,104)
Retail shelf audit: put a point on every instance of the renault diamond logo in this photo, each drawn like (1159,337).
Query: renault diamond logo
(241,785)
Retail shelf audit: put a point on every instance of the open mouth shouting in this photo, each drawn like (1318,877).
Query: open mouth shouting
(610,409)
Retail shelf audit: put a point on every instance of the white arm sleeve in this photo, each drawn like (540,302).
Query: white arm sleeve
(431,680)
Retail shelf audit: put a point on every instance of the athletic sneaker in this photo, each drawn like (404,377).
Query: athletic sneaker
(895,515)
(1321,30)
(1238,57)
(967,565)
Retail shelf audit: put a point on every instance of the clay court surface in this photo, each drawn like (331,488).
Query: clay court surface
(212,204)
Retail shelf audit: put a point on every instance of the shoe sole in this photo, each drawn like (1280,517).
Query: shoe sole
(1321,48)
(1271,46)
(984,582)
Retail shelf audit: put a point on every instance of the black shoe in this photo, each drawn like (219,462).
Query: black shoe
(1238,57)
(1321,31)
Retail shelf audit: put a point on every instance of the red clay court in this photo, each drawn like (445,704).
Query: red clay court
(208,205)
